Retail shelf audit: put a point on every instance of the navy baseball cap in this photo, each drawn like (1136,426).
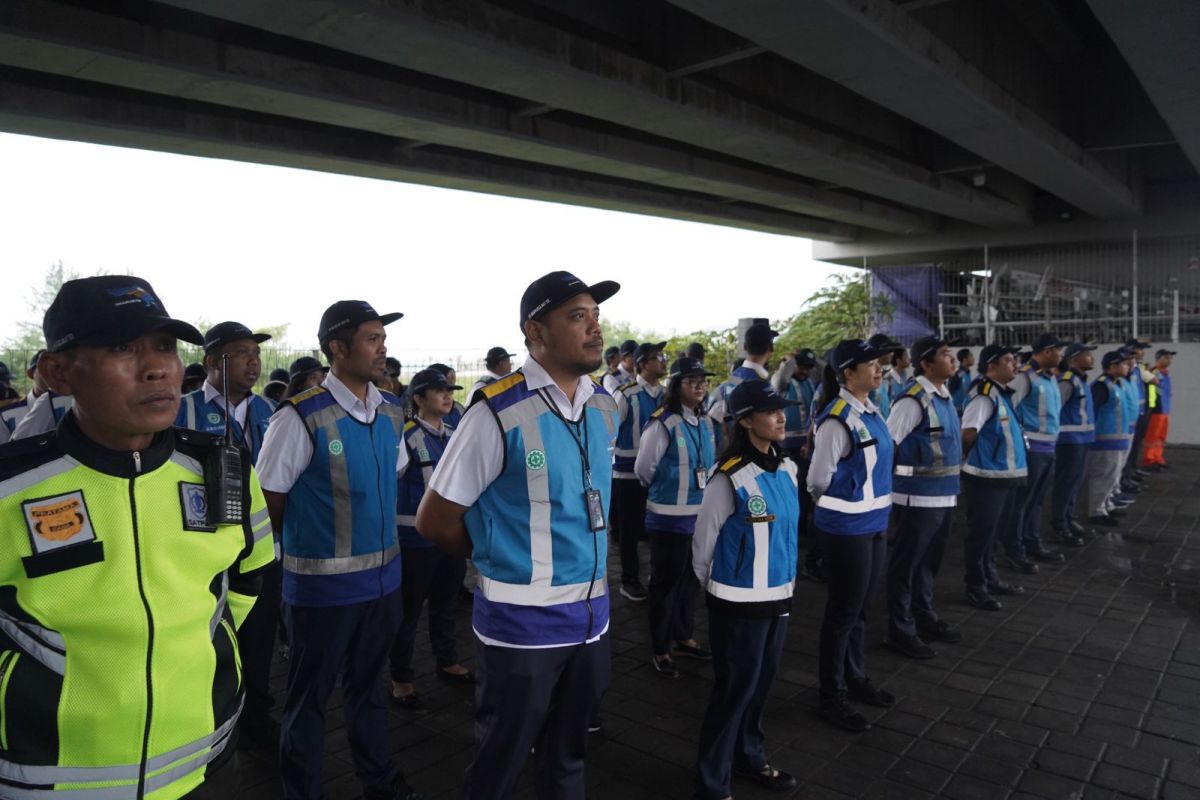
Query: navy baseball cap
(1113,357)
(278,374)
(304,365)
(1161,353)
(806,358)
(926,348)
(1075,348)
(994,351)
(884,343)
(108,310)
(498,354)
(552,290)
(225,332)
(610,352)
(1048,341)
(644,350)
(686,367)
(759,336)
(1137,343)
(194,371)
(33,360)
(628,347)
(756,395)
(430,378)
(350,314)
(850,352)
(5,374)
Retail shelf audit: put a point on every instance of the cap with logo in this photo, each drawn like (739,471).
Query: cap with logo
(686,367)
(304,365)
(925,348)
(884,342)
(759,336)
(226,332)
(350,314)
(1164,353)
(552,290)
(1075,348)
(496,355)
(1113,357)
(1047,341)
(994,352)
(806,358)
(850,352)
(108,310)
(755,395)
(644,350)
(194,372)
(628,347)
(430,378)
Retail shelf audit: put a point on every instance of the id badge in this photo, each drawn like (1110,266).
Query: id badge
(701,478)
(595,508)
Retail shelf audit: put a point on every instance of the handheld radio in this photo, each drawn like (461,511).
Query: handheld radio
(223,472)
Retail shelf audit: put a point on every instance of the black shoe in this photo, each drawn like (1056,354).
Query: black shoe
(1068,539)
(770,778)
(942,632)
(461,678)
(1021,565)
(1131,488)
(1143,473)
(400,790)
(1075,528)
(411,701)
(910,646)
(1045,554)
(595,725)
(633,591)
(814,573)
(1105,521)
(1006,588)
(869,693)
(665,668)
(697,651)
(838,711)
(979,598)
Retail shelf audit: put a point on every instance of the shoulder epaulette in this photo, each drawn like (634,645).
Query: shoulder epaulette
(296,399)
(838,406)
(729,464)
(658,412)
(493,389)
(915,390)
(1066,376)
(625,386)
(408,426)
(985,388)
(388,397)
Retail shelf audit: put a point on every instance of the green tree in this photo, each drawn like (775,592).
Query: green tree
(843,309)
(37,300)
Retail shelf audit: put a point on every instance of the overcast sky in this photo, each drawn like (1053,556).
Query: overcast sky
(267,245)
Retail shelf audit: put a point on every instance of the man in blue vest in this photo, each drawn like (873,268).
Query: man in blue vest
(636,402)
(925,427)
(1111,443)
(329,469)
(498,363)
(205,410)
(960,384)
(625,369)
(759,343)
(523,488)
(1038,403)
(1076,432)
(994,473)
(882,397)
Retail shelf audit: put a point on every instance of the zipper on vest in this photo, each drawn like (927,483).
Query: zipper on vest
(137,555)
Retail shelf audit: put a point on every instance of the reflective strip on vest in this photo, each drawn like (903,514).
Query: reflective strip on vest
(938,469)
(542,594)
(44,645)
(1010,455)
(406,520)
(419,443)
(339,484)
(219,611)
(869,501)
(339,566)
(758,590)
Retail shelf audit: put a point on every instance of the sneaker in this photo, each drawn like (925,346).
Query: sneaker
(1045,554)
(1067,539)
(1005,588)
(775,780)
(837,710)
(1104,520)
(910,646)
(1075,528)
(1123,501)
(979,598)
(869,693)
(941,632)
(1020,564)
(697,651)
(633,591)
(1131,488)
(664,667)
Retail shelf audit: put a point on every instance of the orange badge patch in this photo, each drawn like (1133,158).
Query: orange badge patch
(58,521)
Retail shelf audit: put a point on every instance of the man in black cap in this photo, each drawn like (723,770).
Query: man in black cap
(695,350)
(882,397)
(329,469)
(794,380)
(109,553)
(303,374)
(1113,437)
(960,384)
(194,376)
(759,343)
(498,363)
(625,370)
(7,392)
(523,488)
(40,410)
(1076,432)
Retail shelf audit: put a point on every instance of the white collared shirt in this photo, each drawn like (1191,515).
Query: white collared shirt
(287,447)
(213,395)
(654,391)
(716,411)
(831,444)
(904,419)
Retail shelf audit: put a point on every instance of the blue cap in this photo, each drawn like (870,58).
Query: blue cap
(644,350)
(851,352)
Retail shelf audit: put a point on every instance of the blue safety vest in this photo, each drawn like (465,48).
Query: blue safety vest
(425,450)
(1139,388)
(542,578)
(859,498)
(641,404)
(339,524)
(882,398)
(12,414)
(929,458)
(754,557)
(1038,412)
(455,416)
(999,451)
(742,373)
(960,388)
(197,415)
(1164,391)
(1077,423)
(1112,417)
(1129,394)
(797,417)
(675,491)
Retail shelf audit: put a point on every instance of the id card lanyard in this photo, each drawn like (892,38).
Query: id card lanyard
(591,496)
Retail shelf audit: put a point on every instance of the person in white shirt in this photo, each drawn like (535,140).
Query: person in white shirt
(759,343)
(499,363)
(625,370)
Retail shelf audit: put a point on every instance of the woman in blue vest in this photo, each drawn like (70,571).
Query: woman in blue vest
(428,573)
(673,462)
(850,477)
(744,554)
(457,409)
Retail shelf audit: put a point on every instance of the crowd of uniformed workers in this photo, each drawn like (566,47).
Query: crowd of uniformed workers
(164,528)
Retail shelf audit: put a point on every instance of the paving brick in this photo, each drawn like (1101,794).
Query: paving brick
(1049,785)
(1125,780)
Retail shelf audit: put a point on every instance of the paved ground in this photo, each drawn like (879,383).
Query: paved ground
(1088,686)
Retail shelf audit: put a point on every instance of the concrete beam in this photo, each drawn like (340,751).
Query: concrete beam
(876,49)
(63,108)
(1160,39)
(484,45)
(60,39)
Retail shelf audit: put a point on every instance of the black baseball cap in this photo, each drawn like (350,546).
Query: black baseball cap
(1137,343)
(610,352)
(552,290)
(926,348)
(1075,348)
(628,347)
(686,367)
(194,371)
(1047,341)
(756,395)
(278,374)
(393,366)
(498,354)
(806,358)
(850,352)
(350,313)
(1161,353)
(962,353)
(33,359)
(759,336)
(695,350)
(108,310)
(430,378)
(884,343)
(225,332)
(5,374)
(994,351)
(305,365)
(1113,357)
(644,350)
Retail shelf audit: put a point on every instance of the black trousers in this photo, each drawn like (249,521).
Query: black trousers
(429,574)
(989,501)
(328,641)
(673,590)
(1134,462)
(919,542)
(853,564)
(746,653)
(1021,530)
(811,544)
(541,698)
(629,505)
(1070,467)
(256,644)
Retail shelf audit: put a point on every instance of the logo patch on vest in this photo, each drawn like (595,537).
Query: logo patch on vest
(58,522)
(756,505)
(335,447)
(193,501)
(213,417)
(535,460)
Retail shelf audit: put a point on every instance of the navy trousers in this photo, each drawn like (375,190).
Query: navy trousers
(429,574)
(1134,462)
(853,564)
(1021,529)
(1070,468)
(673,589)
(543,699)
(629,505)
(746,654)
(989,500)
(919,542)
(328,641)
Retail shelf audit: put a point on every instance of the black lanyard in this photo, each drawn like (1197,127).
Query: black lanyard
(573,427)
(698,439)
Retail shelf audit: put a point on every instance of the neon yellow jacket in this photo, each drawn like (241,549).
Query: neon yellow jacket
(119,670)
